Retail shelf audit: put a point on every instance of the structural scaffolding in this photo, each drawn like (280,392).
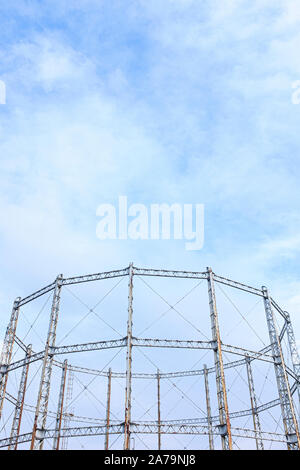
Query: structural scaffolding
(216,427)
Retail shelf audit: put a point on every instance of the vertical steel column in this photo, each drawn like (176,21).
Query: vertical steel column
(208,408)
(287,407)
(7,349)
(16,424)
(224,426)
(37,441)
(253,401)
(158,410)
(69,410)
(60,406)
(108,410)
(294,352)
(128,363)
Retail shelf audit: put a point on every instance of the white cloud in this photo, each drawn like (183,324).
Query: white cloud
(81,145)
(208,120)
(285,247)
(47,61)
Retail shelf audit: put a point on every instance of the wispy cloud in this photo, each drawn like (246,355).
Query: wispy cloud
(170,101)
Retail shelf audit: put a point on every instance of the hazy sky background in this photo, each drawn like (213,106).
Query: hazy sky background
(182,101)
(162,101)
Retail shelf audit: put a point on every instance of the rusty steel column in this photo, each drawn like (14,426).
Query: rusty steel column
(16,424)
(7,349)
(224,426)
(60,406)
(208,408)
(158,411)
(294,352)
(128,362)
(69,410)
(286,401)
(108,410)
(253,401)
(37,441)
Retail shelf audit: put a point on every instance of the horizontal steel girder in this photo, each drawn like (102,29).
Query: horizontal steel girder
(146,428)
(234,414)
(153,273)
(141,342)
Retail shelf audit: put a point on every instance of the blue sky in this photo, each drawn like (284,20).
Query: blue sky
(163,101)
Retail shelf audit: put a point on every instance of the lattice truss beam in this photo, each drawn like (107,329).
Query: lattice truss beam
(213,425)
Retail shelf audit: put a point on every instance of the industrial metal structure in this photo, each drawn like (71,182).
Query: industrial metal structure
(218,429)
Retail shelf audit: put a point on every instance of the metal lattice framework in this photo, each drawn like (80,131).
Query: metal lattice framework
(219,426)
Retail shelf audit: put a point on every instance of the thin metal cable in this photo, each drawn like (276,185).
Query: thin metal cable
(167,311)
(141,406)
(34,331)
(5,423)
(113,443)
(240,313)
(174,385)
(92,310)
(181,378)
(188,390)
(37,317)
(86,390)
(175,310)
(237,371)
(33,323)
(246,315)
(94,378)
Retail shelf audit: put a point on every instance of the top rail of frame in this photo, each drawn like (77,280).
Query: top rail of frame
(238,285)
(36,294)
(197,275)
(95,277)
(153,273)
(169,273)
(73,280)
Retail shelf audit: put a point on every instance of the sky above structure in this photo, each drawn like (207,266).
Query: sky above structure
(162,101)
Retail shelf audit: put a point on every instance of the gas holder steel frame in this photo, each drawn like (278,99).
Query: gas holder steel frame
(211,426)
